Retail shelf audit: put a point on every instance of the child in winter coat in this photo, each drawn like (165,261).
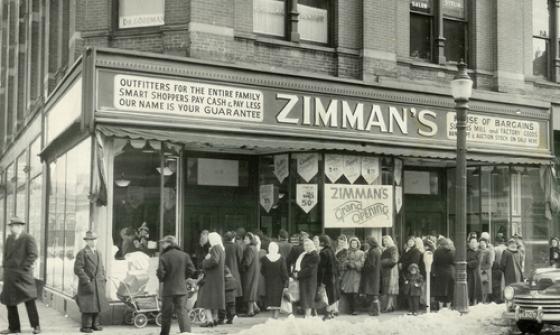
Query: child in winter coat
(230,290)
(413,288)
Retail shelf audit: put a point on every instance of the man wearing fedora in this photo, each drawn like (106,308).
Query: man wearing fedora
(91,300)
(175,266)
(20,252)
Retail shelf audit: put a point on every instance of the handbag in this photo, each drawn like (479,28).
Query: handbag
(285,306)
(293,289)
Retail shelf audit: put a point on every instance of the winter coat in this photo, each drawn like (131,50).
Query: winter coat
(199,253)
(327,274)
(212,292)
(19,283)
(234,256)
(371,274)
(473,284)
(485,270)
(413,284)
(175,266)
(231,285)
(284,249)
(340,256)
(390,271)
(511,264)
(307,278)
(410,256)
(443,274)
(250,273)
(498,283)
(276,278)
(88,266)
(353,265)
(555,257)
(293,256)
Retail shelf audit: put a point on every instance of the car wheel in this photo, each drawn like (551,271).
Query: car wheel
(529,327)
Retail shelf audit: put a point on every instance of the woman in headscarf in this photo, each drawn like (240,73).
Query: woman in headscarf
(485,262)
(201,249)
(340,253)
(389,273)
(212,293)
(327,275)
(275,274)
(250,272)
(372,274)
(305,271)
(443,274)
(353,265)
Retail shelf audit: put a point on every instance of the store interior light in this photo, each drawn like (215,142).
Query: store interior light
(166,171)
(122,181)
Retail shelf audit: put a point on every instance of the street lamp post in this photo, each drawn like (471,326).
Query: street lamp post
(461,89)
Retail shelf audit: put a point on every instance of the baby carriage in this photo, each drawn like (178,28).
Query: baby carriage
(196,315)
(143,307)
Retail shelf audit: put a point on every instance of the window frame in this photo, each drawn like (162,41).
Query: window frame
(551,42)
(432,17)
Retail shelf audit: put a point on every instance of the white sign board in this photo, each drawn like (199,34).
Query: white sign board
(141,13)
(496,130)
(370,169)
(149,95)
(306,196)
(352,168)
(416,182)
(307,165)
(281,167)
(266,195)
(218,172)
(358,206)
(333,166)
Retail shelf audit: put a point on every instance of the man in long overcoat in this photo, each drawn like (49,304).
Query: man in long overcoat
(91,299)
(20,252)
(175,266)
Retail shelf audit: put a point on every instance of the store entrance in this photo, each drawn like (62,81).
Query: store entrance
(425,202)
(219,195)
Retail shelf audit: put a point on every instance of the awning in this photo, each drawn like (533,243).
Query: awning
(253,144)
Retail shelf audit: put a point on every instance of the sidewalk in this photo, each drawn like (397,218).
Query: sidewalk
(52,322)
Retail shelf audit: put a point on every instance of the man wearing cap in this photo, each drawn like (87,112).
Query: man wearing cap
(91,300)
(20,252)
(175,266)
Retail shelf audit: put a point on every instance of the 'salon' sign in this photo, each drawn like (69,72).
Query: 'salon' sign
(358,206)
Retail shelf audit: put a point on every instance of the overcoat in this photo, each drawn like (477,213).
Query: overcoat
(212,293)
(443,274)
(371,276)
(19,283)
(485,262)
(307,277)
(328,274)
(353,265)
(250,273)
(175,266)
(234,256)
(276,277)
(390,271)
(410,256)
(88,266)
(473,283)
(511,264)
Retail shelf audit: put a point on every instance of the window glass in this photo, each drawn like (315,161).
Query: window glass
(540,57)
(35,164)
(308,217)
(35,227)
(59,230)
(3,231)
(424,6)
(455,40)
(51,224)
(141,13)
(170,195)
(495,204)
(269,17)
(453,8)
(274,193)
(21,180)
(217,172)
(10,190)
(420,36)
(313,20)
(541,18)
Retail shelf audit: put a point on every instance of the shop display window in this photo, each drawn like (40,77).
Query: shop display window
(306,191)
(274,193)
(10,190)
(3,229)
(21,185)
(35,199)
(68,215)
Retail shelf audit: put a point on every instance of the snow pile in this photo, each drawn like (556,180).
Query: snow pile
(481,319)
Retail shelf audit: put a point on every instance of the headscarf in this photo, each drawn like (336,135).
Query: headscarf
(352,239)
(340,246)
(419,244)
(257,242)
(388,241)
(297,266)
(273,254)
(215,240)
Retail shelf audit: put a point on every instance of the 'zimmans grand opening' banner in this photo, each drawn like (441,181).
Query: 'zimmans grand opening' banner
(358,206)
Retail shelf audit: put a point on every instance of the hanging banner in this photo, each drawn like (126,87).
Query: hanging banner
(333,167)
(281,167)
(358,206)
(398,198)
(370,169)
(266,195)
(307,165)
(397,174)
(306,196)
(352,168)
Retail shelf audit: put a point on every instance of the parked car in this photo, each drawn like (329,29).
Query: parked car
(535,302)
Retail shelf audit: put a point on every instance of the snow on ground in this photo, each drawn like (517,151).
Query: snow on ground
(481,319)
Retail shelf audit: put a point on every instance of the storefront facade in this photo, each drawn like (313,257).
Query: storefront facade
(176,146)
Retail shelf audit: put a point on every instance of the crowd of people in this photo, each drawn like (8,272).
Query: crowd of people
(315,273)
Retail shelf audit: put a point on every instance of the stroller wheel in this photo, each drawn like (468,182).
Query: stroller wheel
(201,315)
(193,316)
(158,319)
(140,320)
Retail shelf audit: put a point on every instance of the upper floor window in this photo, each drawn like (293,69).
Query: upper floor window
(308,20)
(141,13)
(541,38)
(425,30)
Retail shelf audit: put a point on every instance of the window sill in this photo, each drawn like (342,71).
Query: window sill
(136,32)
(541,82)
(283,43)
(448,67)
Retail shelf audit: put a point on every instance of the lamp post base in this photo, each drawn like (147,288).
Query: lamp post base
(461,294)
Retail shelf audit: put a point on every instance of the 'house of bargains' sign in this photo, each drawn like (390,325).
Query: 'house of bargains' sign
(358,206)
